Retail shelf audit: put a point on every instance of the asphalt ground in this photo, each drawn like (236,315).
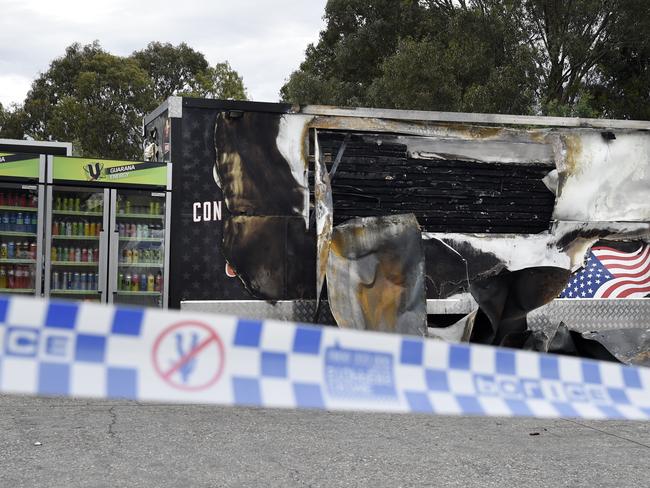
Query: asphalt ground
(119,443)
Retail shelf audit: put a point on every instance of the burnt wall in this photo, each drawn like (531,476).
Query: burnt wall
(377,177)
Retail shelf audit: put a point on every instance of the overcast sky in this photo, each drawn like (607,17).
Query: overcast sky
(264,40)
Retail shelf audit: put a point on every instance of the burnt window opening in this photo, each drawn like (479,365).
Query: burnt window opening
(376,176)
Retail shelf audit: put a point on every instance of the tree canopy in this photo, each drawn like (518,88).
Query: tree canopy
(584,57)
(96,100)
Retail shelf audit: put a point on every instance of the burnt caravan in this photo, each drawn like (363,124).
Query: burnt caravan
(387,216)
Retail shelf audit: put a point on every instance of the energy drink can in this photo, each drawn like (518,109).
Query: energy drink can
(55,280)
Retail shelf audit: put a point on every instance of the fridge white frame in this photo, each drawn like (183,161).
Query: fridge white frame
(114,242)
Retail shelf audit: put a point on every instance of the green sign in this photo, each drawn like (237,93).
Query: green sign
(109,172)
(19,165)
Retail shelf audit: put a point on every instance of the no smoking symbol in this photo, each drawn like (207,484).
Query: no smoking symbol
(188,356)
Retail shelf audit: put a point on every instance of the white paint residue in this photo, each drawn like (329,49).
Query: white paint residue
(514,251)
(607,180)
(290,143)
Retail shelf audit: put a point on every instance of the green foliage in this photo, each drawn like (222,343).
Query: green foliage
(97,100)
(173,69)
(92,98)
(583,58)
(220,81)
(12,121)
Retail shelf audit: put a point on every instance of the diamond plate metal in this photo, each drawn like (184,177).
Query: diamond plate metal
(287,310)
(581,315)
(592,314)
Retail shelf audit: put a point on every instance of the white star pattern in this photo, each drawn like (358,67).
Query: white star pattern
(612,272)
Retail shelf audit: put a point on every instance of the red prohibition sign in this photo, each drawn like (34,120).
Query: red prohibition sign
(212,338)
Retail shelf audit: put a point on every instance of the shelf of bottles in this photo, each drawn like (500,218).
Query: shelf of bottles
(74,256)
(140,224)
(18,249)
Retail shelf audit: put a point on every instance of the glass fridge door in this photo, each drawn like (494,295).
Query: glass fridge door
(75,245)
(138,227)
(20,237)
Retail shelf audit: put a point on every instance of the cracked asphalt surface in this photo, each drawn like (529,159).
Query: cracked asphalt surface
(119,443)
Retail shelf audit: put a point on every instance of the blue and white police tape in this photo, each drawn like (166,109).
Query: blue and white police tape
(88,350)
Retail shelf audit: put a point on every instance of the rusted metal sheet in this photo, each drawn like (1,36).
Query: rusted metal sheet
(375,275)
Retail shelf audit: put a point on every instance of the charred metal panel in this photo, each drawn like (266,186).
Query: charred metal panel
(272,255)
(254,175)
(454,261)
(324,216)
(505,299)
(385,175)
(629,346)
(261,170)
(375,275)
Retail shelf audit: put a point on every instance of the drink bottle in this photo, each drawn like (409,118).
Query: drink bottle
(151,282)
(158,282)
(10,277)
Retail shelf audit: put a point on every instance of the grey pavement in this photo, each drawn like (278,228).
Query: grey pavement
(119,443)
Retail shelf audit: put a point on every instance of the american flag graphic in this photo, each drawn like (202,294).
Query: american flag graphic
(610,273)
